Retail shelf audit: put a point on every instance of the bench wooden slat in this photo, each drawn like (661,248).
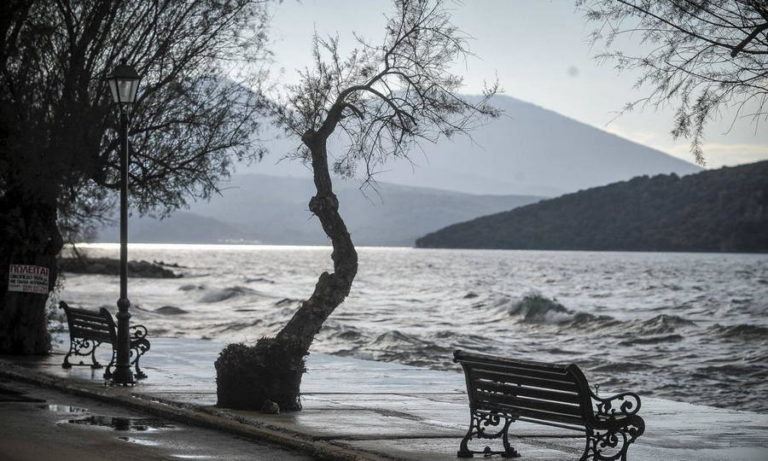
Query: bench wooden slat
(541,394)
(91,320)
(78,323)
(561,375)
(85,313)
(90,326)
(471,357)
(79,311)
(535,414)
(93,335)
(524,380)
(531,404)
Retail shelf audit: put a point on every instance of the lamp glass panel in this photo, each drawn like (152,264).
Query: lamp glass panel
(127,90)
(113,89)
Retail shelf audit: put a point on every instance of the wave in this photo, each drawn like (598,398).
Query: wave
(259,280)
(395,338)
(733,370)
(397,346)
(191,287)
(237,326)
(661,324)
(741,331)
(617,367)
(170,310)
(535,308)
(652,340)
(286,302)
(227,293)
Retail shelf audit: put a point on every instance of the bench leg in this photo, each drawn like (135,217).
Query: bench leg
(108,371)
(478,424)
(82,347)
(611,445)
(95,363)
(138,349)
(66,363)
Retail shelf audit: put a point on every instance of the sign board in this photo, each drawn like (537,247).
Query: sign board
(27,278)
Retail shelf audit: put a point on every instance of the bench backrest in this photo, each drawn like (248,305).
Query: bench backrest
(83,323)
(530,391)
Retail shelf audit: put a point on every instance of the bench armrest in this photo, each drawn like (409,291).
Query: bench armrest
(138,332)
(624,404)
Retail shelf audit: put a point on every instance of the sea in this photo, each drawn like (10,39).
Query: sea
(684,326)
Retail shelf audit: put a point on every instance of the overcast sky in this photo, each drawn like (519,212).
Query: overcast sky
(539,51)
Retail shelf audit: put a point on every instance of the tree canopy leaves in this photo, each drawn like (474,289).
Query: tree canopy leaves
(57,119)
(703,56)
(385,98)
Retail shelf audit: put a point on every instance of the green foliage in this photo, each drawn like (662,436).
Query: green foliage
(719,210)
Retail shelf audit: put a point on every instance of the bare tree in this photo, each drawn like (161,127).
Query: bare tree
(705,55)
(383,100)
(58,145)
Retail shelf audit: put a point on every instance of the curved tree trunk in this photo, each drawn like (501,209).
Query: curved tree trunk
(269,373)
(28,235)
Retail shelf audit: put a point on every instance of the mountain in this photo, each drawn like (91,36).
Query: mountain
(528,150)
(719,210)
(181,227)
(511,161)
(269,209)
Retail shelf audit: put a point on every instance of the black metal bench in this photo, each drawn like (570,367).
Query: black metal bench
(503,390)
(89,329)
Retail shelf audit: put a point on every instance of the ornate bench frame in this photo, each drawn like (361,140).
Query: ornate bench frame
(503,390)
(89,329)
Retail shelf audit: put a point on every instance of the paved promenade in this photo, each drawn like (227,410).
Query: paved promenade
(361,410)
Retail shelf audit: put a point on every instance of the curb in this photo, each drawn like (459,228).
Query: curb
(206,417)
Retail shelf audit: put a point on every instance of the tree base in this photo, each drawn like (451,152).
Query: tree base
(256,377)
(24,324)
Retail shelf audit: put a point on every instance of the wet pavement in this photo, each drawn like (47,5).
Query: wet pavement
(355,409)
(40,424)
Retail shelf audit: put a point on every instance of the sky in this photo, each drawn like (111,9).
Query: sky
(539,51)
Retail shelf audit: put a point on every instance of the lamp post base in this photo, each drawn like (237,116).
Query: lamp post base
(123,374)
(123,377)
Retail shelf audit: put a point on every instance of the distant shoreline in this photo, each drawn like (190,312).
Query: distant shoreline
(267,246)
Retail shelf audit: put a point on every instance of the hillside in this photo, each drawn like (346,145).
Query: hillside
(273,210)
(529,150)
(719,210)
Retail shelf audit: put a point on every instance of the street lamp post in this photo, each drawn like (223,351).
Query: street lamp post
(124,83)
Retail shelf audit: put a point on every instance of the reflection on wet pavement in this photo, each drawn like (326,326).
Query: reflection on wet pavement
(57,408)
(41,424)
(122,424)
(145,442)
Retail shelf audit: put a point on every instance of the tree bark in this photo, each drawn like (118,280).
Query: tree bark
(270,373)
(331,289)
(28,235)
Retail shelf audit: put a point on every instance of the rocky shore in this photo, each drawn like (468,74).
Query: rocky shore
(109,266)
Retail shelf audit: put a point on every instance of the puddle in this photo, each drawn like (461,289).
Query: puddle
(123,424)
(144,442)
(56,408)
